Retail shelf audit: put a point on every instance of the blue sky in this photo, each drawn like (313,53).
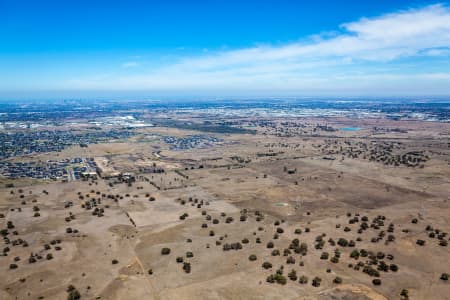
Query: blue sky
(222,48)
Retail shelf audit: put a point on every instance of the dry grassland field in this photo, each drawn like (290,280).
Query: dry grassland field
(294,208)
(224,150)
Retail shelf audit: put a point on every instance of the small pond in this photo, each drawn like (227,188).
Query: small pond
(350,129)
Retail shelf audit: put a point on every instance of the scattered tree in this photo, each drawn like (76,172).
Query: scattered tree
(165,251)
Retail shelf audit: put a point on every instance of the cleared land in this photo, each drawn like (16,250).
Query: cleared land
(279,214)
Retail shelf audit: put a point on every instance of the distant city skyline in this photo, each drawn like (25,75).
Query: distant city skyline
(214,48)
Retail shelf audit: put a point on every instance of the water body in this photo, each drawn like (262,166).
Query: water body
(350,128)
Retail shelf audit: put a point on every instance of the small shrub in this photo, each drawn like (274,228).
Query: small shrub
(165,251)
(303,279)
(187,267)
(393,267)
(376,281)
(73,293)
(292,275)
(290,260)
(404,294)
(316,281)
(278,278)
(337,280)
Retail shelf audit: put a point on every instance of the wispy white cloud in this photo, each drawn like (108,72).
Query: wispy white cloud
(130,64)
(351,57)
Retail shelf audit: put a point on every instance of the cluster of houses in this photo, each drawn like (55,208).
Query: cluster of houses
(29,142)
(65,170)
(191,142)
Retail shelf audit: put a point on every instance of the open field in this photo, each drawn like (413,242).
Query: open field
(279,214)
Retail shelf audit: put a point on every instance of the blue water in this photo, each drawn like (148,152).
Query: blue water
(350,128)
